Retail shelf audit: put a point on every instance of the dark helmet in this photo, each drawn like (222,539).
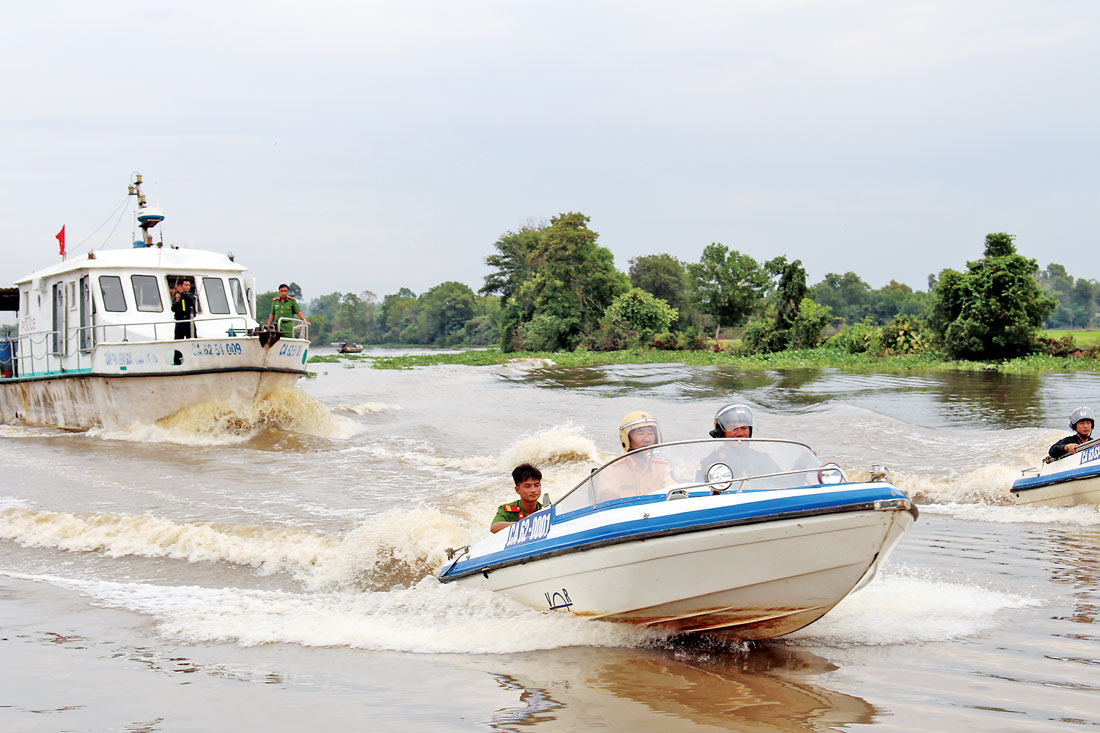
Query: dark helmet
(731,416)
(1081,413)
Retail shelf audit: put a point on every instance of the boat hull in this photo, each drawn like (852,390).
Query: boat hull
(753,581)
(144,382)
(1069,481)
(1069,490)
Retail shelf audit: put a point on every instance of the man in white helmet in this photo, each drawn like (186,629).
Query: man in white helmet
(641,471)
(1082,421)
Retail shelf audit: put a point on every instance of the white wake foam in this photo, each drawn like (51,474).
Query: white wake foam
(902,609)
(429,618)
(1085,515)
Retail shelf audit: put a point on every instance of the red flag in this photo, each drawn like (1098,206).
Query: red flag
(60,236)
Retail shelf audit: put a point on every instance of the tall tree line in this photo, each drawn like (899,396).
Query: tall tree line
(552,286)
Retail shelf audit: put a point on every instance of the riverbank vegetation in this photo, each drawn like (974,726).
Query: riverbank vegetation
(553,289)
(819,358)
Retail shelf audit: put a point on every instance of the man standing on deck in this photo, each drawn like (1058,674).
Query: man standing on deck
(183,306)
(285,307)
(1082,421)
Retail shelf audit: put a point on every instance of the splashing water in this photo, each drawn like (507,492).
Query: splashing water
(227,422)
(911,608)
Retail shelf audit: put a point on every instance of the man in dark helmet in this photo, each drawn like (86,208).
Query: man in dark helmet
(1082,421)
(732,421)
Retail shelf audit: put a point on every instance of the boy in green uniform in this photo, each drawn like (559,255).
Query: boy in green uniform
(529,487)
(285,307)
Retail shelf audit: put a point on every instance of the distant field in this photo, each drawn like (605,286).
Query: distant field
(1081,337)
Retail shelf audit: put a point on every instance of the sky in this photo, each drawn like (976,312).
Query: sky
(367,146)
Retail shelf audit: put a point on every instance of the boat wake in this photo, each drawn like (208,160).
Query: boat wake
(394,549)
(904,608)
(367,408)
(429,618)
(224,422)
(1083,515)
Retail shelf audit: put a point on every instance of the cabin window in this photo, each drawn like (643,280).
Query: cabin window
(110,287)
(215,294)
(238,296)
(146,293)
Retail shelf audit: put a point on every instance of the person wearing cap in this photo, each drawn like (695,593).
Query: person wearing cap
(1081,421)
(284,311)
(641,471)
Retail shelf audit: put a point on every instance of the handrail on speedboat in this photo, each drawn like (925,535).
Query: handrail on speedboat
(679,467)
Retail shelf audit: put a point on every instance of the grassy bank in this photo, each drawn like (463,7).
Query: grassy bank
(808,358)
(1083,338)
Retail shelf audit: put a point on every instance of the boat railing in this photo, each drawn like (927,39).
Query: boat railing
(819,475)
(299,328)
(55,352)
(719,465)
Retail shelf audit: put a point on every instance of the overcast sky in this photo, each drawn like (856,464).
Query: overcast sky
(363,145)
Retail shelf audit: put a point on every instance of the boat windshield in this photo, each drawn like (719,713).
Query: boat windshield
(726,464)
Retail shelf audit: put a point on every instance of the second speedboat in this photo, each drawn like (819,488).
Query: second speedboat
(1071,480)
(756,538)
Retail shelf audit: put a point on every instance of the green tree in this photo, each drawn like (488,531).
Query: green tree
(789,291)
(554,281)
(397,317)
(726,284)
(898,300)
(846,295)
(811,320)
(995,309)
(637,310)
(444,311)
(662,276)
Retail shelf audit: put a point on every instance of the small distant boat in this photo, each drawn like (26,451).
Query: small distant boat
(1071,480)
(96,341)
(752,538)
(346,348)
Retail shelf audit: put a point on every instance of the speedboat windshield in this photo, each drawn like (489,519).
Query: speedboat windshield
(724,464)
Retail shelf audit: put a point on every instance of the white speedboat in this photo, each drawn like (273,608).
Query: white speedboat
(1072,479)
(753,537)
(96,347)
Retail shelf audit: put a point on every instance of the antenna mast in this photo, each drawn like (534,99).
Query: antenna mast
(147,216)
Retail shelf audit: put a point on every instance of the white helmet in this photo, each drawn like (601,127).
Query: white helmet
(731,416)
(1081,413)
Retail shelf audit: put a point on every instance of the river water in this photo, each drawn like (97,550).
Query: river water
(272,568)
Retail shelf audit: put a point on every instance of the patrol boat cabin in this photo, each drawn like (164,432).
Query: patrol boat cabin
(95,343)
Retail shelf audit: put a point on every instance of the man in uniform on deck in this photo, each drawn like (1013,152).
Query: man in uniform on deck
(285,307)
(529,487)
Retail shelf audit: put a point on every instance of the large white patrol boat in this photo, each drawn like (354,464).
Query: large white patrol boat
(751,538)
(95,344)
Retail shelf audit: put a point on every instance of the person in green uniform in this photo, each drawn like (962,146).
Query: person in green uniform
(285,307)
(528,480)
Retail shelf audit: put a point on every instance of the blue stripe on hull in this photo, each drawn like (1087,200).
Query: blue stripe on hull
(1074,474)
(769,509)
